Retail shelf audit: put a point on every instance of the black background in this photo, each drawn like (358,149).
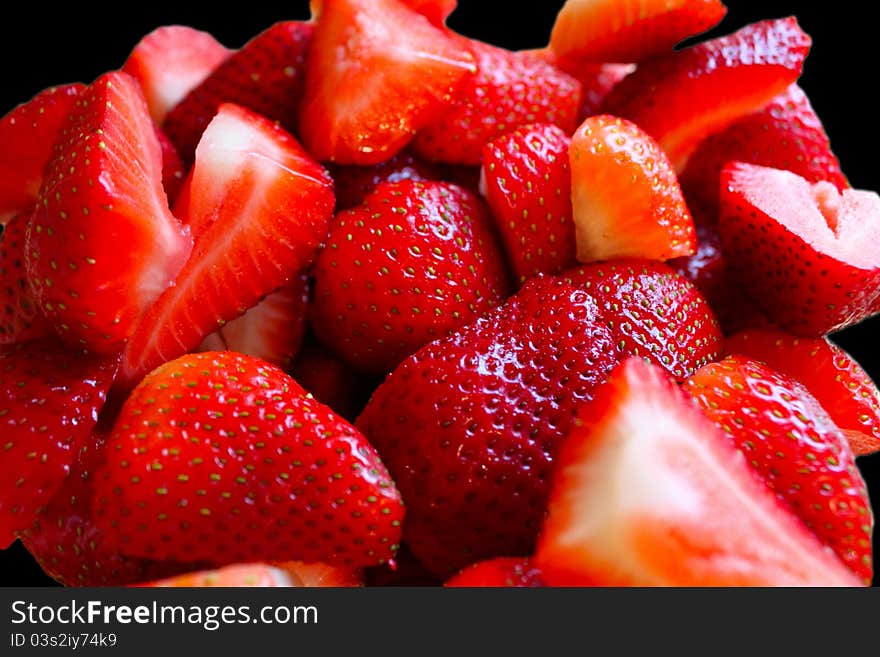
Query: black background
(44,45)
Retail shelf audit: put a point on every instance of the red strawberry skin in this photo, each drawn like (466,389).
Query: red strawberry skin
(103,189)
(28,135)
(265,76)
(273,476)
(686,96)
(173,170)
(20,319)
(832,376)
(797,449)
(510,89)
(786,134)
(411,264)
(50,398)
(499,572)
(526,180)
(353,184)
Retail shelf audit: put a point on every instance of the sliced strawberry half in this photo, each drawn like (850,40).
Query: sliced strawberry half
(629,30)
(786,134)
(684,97)
(505,572)
(171,61)
(831,375)
(103,191)
(626,201)
(20,319)
(260,207)
(28,135)
(799,249)
(797,449)
(526,180)
(377,72)
(436,11)
(265,76)
(510,89)
(648,492)
(260,575)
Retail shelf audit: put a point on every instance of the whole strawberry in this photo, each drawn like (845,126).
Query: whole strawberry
(223,458)
(413,262)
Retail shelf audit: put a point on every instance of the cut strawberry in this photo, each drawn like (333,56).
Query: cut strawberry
(510,89)
(831,375)
(317,574)
(265,76)
(102,244)
(499,572)
(797,449)
(170,62)
(684,97)
(353,184)
(20,319)
(597,81)
(173,171)
(49,402)
(28,134)
(799,250)
(786,134)
(436,11)
(626,200)
(377,72)
(273,476)
(272,330)
(259,207)
(290,574)
(527,181)
(647,492)
(629,30)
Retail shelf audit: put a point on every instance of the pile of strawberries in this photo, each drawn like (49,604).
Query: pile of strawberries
(369,301)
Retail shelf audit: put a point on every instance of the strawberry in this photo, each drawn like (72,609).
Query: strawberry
(498,572)
(353,184)
(799,249)
(682,98)
(625,196)
(409,265)
(28,134)
(647,492)
(273,330)
(468,426)
(173,171)
(786,134)
(290,574)
(265,76)
(259,207)
(103,189)
(50,398)
(597,82)
(629,30)
(795,447)
(171,61)
(272,476)
(510,89)
(377,72)
(832,376)
(20,320)
(526,180)
(652,312)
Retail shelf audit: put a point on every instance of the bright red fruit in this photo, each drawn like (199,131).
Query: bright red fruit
(436,11)
(353,183)
(526,180)
(799,250)
(412,263)
(498,572)
(222,458)
(629,30)
(509,90)
(103,190)
(831,375)
(786,134)
(259,207)
(288,574)
(797,449)
(647,492)
(173,170)
(20,319)
(686,96)
(171,61)
(597,81)
(377,72)
(50,398)
(626,200)
(265,76)
(28,135)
